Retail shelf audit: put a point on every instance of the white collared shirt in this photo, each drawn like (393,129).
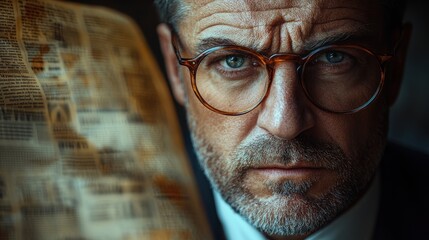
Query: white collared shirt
(356,224)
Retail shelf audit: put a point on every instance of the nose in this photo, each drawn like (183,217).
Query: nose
(286,112)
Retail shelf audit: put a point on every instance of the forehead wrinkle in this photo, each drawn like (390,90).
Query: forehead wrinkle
(242,21)
(253,27)
(261,35)
(249,11)
(347,10)
(326,21)
(243,5)
(353,20)
(282,29)
(293,34)
(245,15)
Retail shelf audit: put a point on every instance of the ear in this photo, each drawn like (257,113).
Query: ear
(398,64)
(171,64)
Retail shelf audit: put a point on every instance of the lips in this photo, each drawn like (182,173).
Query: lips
(293,171)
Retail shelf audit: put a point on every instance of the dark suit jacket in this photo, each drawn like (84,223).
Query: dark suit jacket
(404,203)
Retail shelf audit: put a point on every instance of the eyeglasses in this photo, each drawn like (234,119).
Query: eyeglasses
(233,80)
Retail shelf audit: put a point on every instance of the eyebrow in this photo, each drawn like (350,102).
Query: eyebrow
(332,39)
(308,46)
(212,42)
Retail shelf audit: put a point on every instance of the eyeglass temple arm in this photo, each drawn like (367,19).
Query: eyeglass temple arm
(188,62)
(385,58)
(175,43)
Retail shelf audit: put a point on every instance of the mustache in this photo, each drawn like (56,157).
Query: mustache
(266,150)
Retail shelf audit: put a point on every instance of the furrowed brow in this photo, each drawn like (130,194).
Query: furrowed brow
(308,46)
(212,42)
(335,39)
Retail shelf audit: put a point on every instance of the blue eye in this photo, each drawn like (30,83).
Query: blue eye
(235,61)
(333,57)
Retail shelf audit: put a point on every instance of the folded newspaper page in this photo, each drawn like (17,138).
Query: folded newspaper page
(89,143)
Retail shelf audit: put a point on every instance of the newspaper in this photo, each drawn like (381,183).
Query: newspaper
(89,143)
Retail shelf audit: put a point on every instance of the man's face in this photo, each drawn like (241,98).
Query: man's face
(288,167)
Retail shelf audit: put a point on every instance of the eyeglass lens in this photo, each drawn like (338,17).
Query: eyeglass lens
(337,79)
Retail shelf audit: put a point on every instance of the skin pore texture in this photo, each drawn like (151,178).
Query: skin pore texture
(287,167)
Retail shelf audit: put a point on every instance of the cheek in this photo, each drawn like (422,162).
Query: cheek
(223,133)
(344,132)
(355,132)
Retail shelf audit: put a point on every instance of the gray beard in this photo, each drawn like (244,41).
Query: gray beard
(289,210)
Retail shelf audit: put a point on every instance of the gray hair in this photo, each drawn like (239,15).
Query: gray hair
(171,11)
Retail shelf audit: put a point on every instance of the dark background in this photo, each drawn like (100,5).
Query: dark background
(409,122)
